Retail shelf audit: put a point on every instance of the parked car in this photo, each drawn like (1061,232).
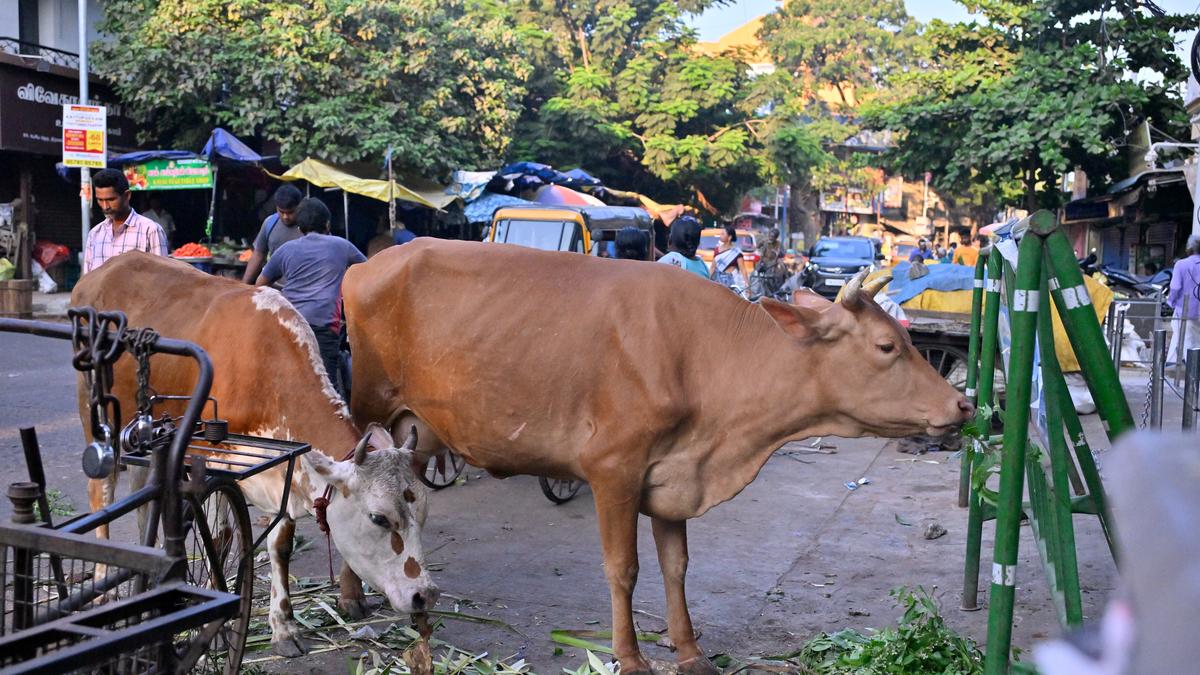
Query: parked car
(747,241)
(834,260)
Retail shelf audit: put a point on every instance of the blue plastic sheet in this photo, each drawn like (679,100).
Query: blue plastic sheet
(481,210)
(941,277)
(224,145)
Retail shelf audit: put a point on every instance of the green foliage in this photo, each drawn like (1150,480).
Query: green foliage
(1040,87)
(442,81)
(919,644)
(619,87)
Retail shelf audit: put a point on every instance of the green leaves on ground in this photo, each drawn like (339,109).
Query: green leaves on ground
(919,644)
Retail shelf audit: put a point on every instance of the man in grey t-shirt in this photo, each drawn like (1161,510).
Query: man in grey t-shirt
(312,268)
(277,229)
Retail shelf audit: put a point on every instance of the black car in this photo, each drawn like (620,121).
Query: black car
(834,260)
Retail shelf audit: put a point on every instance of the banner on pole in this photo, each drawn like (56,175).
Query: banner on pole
(170,174)
(84,136)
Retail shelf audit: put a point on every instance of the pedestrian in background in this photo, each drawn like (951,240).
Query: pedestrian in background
(312,268)
(277,229)
(682,244)
(122,229)
(727,262)
(632,244)
(1184,298)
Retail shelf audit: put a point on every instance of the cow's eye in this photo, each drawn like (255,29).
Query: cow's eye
(380,520)
(887,347)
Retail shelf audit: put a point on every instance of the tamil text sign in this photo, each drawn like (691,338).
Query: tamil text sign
(170,174)
(84,136)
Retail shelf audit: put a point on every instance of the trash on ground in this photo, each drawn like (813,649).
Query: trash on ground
(934,530)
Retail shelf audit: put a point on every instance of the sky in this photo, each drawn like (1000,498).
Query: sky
(720,20)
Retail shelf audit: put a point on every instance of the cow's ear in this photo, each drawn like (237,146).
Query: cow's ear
(798,322)
(378,437)
(337,474)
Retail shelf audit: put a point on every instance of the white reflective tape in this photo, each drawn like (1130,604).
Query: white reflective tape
(1076,296)
(970,392)
(1025,301)
(978,283)
(993,286)
(1004,575)
(1054,284)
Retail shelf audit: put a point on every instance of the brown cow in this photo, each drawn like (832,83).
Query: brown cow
(269,380)
(628,375)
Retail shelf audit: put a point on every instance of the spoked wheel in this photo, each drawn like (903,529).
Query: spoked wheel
(442,469)
(949,362)
(559,491)
(219,545)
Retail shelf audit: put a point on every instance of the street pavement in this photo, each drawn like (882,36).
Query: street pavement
(795,554)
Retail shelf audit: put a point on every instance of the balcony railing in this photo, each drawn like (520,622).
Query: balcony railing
(44,54)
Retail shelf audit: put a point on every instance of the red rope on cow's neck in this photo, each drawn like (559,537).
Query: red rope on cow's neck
(320,507)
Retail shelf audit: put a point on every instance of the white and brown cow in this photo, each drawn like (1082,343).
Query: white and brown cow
(629,375)
(269,381)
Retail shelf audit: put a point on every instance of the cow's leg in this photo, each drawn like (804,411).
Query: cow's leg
(617,512)
(352,602)
(670,538)
(285,633)
(101,492)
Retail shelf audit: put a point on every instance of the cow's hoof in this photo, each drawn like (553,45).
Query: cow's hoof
(636,666)
(289,647)
(699,665)
(355,608)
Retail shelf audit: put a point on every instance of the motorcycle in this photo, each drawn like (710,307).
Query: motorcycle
(1126,283)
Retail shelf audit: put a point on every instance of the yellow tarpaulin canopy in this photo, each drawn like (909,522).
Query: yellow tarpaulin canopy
(959,302)
(323,175)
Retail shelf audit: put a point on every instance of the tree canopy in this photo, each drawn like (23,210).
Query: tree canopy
(440,80)
(620,88)
(1035,89)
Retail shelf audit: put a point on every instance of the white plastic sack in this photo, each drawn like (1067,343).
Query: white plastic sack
(45,283)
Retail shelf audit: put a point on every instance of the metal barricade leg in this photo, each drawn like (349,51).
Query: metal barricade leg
(983,423)
(1019,382)
(968,455)
(1191,389)
(1157,376)
(1084,332)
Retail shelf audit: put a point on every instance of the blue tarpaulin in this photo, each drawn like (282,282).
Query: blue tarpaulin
(224,145)
(942,277)
(146,155)
(481,210)
(578,178)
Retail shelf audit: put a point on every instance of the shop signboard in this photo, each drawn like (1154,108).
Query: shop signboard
(170,174)
(31,104)
(84,136)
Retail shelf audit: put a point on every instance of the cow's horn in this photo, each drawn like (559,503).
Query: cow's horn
(853,287)
(360,450)
(410,443)
(872,287)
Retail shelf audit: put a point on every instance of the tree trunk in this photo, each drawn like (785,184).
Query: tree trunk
(804,213)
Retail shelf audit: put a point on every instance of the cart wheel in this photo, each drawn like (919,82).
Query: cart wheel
(219,552)
(949,362)
(442,469)
(559,491)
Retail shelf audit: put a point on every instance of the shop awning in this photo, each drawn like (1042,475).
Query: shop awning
(323,175)
(224,145)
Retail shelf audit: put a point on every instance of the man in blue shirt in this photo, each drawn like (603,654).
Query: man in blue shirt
(277,229)
(312,268)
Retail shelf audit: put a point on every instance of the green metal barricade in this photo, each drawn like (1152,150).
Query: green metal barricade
(1046,271)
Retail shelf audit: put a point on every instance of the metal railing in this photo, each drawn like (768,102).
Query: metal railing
(57,57)
(1167,337)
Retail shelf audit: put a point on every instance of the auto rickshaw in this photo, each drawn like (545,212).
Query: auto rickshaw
(582,229)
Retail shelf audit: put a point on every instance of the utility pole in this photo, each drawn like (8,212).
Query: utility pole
(85,174)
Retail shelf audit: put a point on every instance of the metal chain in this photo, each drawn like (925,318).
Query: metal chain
(96,338)
(140,343)
(1146,404)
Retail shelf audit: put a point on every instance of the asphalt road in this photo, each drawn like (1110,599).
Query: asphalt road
(795,554)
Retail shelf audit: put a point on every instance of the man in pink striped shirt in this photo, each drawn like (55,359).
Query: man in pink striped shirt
(123,229)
